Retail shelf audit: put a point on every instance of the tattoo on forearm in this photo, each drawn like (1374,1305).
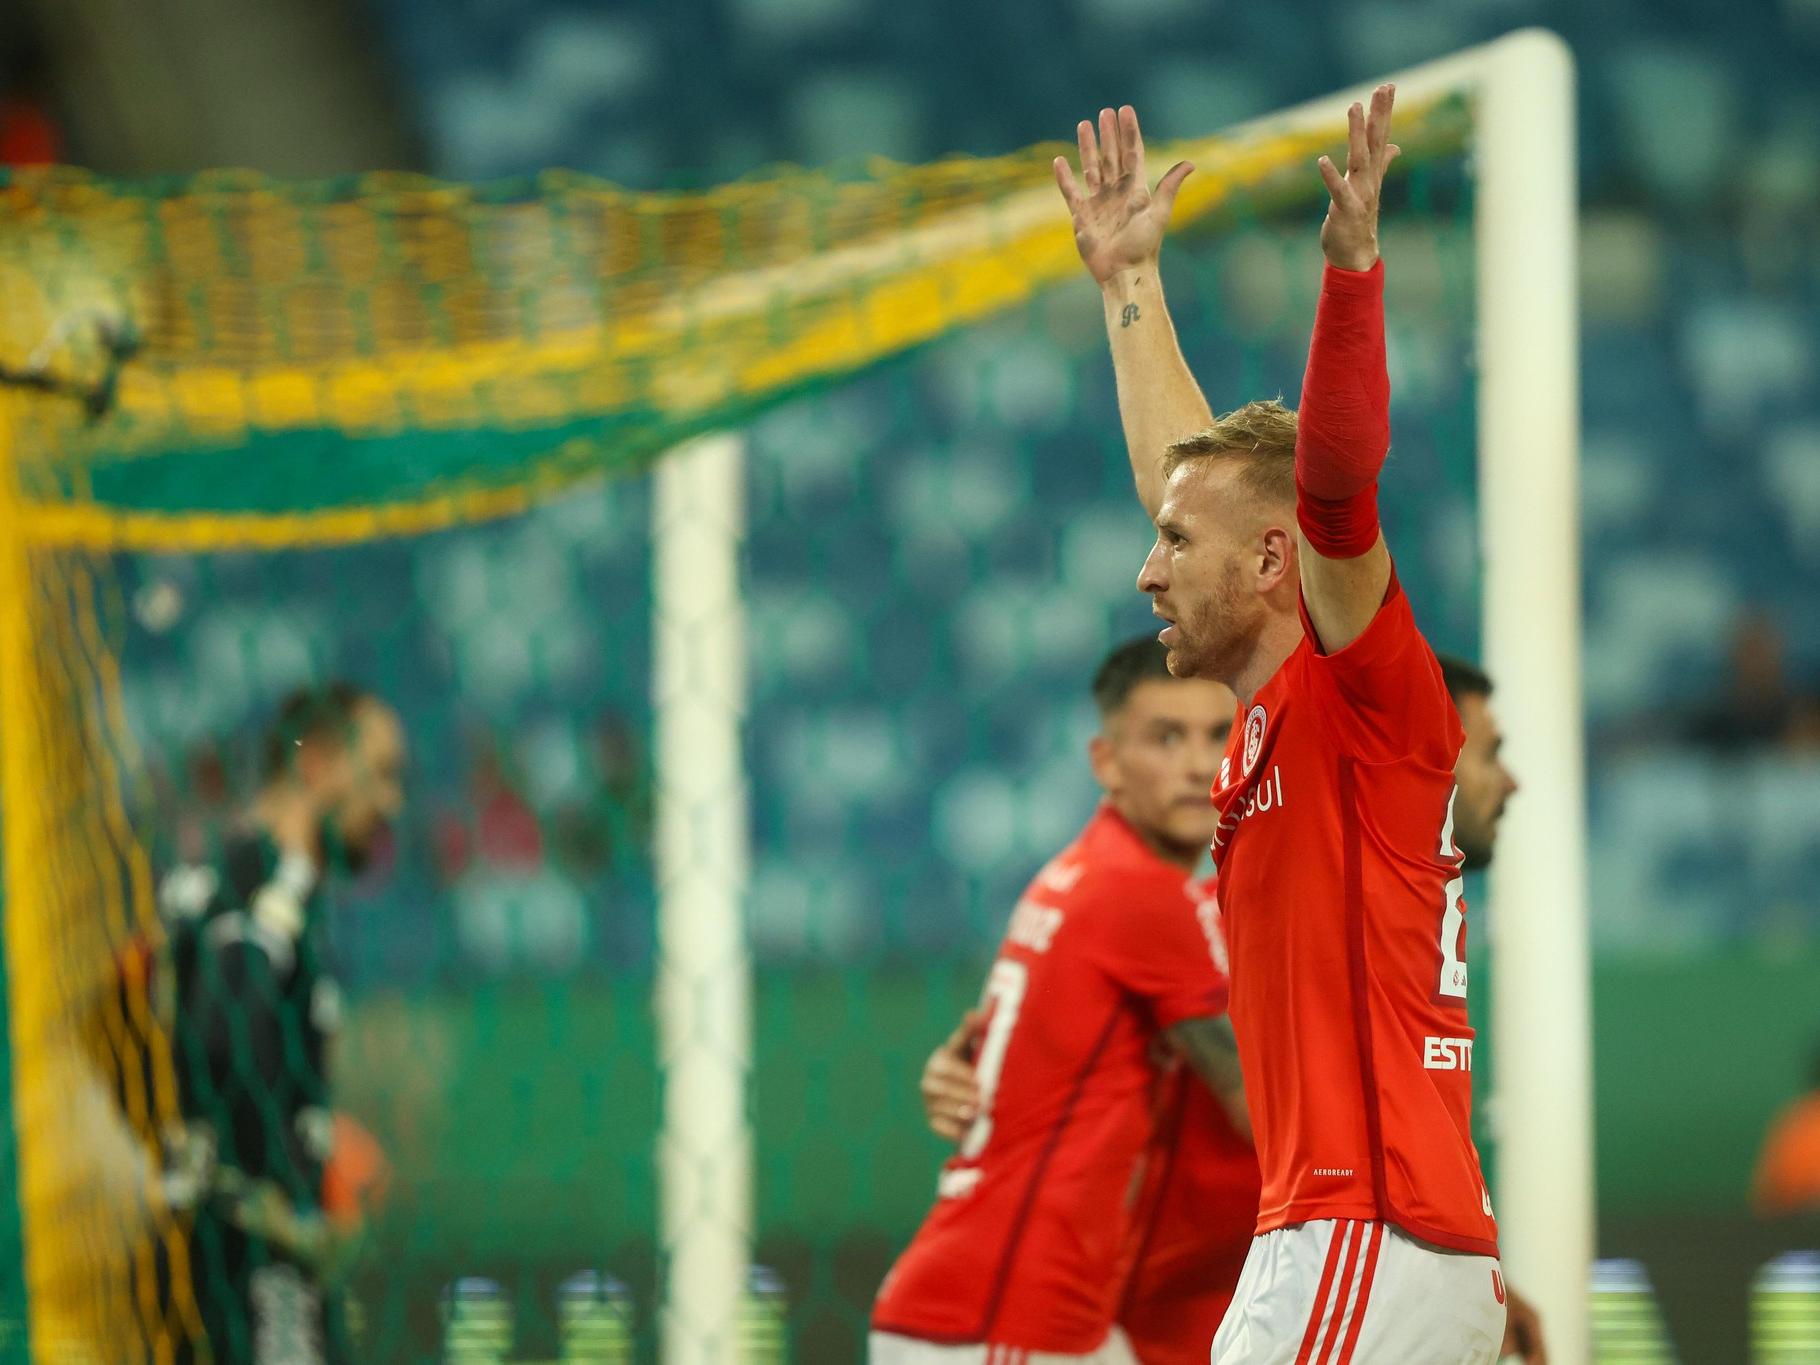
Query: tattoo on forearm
(1129,316)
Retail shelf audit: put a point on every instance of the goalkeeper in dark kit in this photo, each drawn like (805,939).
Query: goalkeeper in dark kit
(254,1002)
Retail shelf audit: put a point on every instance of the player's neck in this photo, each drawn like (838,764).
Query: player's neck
(1185,856)
(1281,633)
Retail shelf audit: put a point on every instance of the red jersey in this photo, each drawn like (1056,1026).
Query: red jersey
(1192,1221)
(1106,949)
(1192,1225)
(1345,917)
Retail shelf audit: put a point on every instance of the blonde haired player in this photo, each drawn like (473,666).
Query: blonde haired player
(1339,877)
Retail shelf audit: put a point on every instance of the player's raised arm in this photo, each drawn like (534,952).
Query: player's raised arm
(1343,428)
(1119,224)
(1211,1050)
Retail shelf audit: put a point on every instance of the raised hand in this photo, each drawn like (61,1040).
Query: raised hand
(1350,234)
(1118,220)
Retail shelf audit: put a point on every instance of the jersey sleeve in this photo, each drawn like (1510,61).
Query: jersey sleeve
(1383,694)
(1156,944)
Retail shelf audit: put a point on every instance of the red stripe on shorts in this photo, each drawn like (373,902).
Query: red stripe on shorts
(1358,1309)
(1342,1293)
(1334,1248)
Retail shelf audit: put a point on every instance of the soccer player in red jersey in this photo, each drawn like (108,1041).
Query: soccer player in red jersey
(1108,951)
(1339,878)
(1191,1208)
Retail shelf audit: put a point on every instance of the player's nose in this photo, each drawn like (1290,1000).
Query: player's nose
(1203,763)
(1151,578)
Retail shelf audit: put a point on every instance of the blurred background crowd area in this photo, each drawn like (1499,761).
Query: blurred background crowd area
(1008,544)
(939,551)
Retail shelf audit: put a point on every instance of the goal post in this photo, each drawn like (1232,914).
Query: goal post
(1529,448)
(704,967)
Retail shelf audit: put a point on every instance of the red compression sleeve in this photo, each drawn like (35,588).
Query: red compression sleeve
(1343,428)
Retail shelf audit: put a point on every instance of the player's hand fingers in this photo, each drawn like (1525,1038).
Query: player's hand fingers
(1377,122)
(961,1101)
(956,1092)
(1131,142)
(1358,153)
(948,1072)
(1090,155)
(1064,179)
(966,1036)
(949,1106)
(1336,183)
(1170,185)
(1111,164)
(1530,1345)
(951,1120)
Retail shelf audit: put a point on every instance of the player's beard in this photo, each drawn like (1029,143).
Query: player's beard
(349,851)
(1183,843)
(1217,635)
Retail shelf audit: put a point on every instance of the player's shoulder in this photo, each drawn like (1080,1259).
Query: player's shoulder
(1087,901)
(1111,862)
(1124,904)
(1390,667)
(1391,632)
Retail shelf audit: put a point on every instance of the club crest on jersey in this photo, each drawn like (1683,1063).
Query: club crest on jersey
(1254,740)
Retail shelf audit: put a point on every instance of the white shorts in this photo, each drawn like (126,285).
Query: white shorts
(1353,1293)
(887,1348)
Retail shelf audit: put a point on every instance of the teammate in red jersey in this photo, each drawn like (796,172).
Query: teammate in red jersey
(1194,1213)
(1339,877)
(1108,951)
(1191,1208)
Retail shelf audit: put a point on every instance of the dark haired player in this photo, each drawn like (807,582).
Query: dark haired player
(1111,950)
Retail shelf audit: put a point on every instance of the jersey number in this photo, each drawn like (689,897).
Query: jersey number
(1004,998)
(1453,918)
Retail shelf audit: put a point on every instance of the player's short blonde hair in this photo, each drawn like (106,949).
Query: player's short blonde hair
(1260,437)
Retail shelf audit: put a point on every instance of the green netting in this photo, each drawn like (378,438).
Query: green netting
(314,472)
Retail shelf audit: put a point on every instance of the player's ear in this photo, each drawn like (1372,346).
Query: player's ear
(1104,762)
(1276,560)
